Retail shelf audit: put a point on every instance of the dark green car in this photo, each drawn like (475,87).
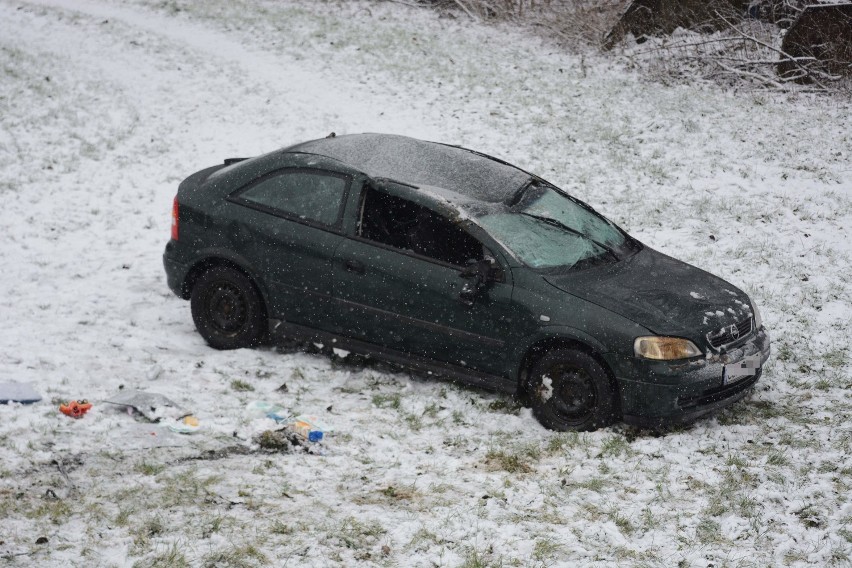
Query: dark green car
(460,264)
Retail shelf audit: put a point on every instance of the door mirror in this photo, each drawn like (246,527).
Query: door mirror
(478,273)
(484,269)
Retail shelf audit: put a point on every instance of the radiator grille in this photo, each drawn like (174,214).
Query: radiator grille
(730,333)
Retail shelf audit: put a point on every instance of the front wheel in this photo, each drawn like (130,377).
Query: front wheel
(569,390)
(227,309)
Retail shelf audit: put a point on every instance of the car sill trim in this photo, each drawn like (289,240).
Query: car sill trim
(279,328)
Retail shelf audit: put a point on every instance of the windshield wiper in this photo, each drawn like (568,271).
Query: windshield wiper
(519,194)
(564,227)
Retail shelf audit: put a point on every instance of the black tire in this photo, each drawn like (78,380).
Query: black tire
(227,309)
(569,390)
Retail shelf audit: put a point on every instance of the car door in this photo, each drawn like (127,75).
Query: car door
(392,293)
(287,224)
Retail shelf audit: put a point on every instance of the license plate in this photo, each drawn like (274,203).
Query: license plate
(734,372)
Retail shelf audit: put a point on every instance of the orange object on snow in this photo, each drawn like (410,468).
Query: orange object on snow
(75,408)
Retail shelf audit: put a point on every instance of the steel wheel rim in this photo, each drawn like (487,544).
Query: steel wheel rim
(574,397)
(227,308)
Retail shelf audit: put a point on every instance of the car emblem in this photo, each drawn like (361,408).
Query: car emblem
(734,331)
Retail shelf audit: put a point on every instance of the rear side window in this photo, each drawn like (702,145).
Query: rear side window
(306,195)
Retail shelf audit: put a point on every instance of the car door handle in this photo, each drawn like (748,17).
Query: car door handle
(355,266)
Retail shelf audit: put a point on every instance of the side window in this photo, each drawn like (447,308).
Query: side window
(405,225)
(306,195)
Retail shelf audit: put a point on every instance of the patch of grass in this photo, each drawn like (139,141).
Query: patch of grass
(146,468)
(811,517)
(513,463)
(615,446)
(171,558)
(622,522)
(648,520)
(280,527)
(392,400)
(595,484)
(241,386)
(424,536)
(357,534)
(505,405)
(481,559)
(545,549)
(777,458)
(244,556)
(186,488)
(414,421)
(736,461)
(212,525)
(142,534)
(55,510)
(397,493)
(432,410)
(708,531)
(561,441)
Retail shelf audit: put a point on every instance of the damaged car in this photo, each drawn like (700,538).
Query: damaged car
(457,263)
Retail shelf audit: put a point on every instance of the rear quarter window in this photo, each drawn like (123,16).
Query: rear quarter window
(305,195)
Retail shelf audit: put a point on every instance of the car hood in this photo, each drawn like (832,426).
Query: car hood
(660,293)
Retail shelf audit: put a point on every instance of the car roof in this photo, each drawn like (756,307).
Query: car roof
(472,176)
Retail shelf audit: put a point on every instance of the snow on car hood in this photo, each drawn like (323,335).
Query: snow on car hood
(665,295)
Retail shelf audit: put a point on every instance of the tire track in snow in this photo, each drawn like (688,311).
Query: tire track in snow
(298,87)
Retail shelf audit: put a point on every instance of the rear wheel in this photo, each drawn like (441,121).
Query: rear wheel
(227,309)
(570,390)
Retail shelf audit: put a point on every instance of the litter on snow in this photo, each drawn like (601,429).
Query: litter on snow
(152,406)
(18,392)
(260,408)
(75,408)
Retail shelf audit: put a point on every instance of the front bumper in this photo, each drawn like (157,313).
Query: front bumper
(657,393)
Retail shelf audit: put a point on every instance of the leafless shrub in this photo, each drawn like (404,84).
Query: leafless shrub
(574,22)
(744,51)
(731,42)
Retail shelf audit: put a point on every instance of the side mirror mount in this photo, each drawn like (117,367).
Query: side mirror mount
(485,269)
(478,273)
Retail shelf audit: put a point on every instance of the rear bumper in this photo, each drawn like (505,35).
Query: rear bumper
(658,393)
(175,271)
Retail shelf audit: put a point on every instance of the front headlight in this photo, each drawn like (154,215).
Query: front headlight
(664,348)
(758,321)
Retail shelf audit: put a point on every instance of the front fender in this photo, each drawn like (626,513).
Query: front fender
(550,333)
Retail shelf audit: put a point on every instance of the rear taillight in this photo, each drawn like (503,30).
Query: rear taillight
(175,219)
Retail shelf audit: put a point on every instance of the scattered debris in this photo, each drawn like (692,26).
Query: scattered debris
(282,441)
(75,408)
(271,410)
(309,428)
(303,431)
(186,425)
(18,392)
(153,406)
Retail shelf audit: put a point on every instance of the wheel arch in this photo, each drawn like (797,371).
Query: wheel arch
(219,258)
(542,345)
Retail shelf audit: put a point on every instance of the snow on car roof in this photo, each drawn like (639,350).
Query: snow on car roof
(422,163)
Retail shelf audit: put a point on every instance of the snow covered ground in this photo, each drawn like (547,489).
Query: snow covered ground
(106,105)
